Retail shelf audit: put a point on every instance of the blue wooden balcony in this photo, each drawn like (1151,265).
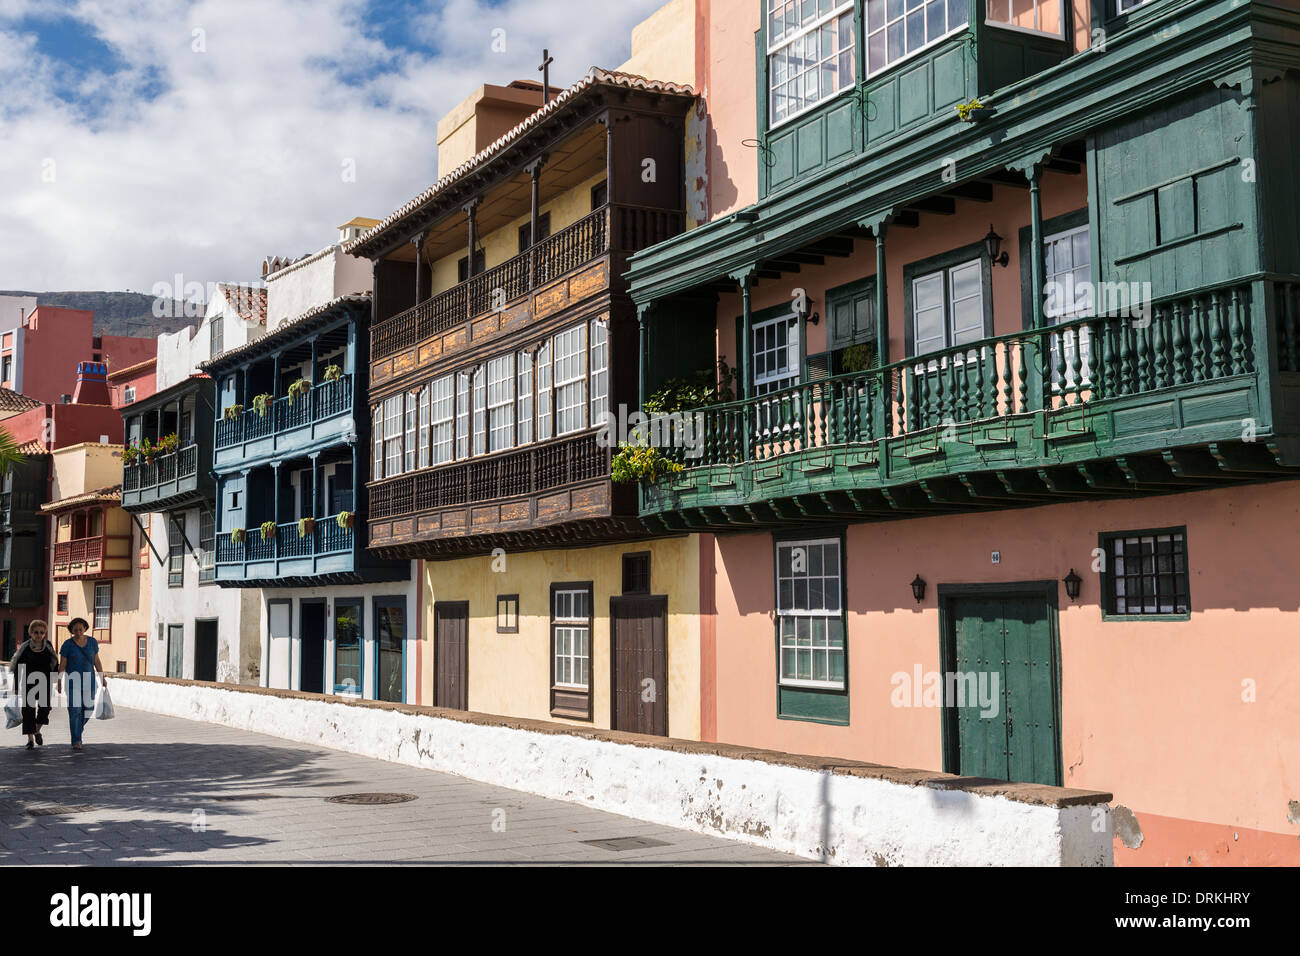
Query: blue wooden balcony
(321,417)
(170,481)
(323,551)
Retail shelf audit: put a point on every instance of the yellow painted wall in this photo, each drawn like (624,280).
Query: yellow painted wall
(663,45)
(502,244)
(510,674)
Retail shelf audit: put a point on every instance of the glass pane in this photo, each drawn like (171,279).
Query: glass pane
(915,30)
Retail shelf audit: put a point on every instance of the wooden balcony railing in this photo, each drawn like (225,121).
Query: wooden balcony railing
(1077,363)
(621,228)
(183,463)
(325,538)
(322,401)
(78,551)
(524,472)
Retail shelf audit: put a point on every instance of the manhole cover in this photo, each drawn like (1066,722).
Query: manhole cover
(56,811)
(371,799)
(619,844)
(232,798)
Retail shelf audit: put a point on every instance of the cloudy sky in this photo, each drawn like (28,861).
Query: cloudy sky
(144,138)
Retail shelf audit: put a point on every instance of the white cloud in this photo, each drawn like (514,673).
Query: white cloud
(242,154)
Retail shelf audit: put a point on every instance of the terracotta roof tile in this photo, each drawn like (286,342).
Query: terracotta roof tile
(596,77)
(112,493)
(33,447)
(270,338)
(249,301)
(12,401)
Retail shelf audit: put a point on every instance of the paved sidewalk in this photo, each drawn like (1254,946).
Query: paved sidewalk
(160,790)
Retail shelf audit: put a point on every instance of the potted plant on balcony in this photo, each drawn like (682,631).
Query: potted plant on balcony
(168,444)
(238,535)
(306,526)
(298,388)
(147,451)
(268,530)
(130,453)
(332,373)
(262,402)
(344,520)
(972,110)
(232,412)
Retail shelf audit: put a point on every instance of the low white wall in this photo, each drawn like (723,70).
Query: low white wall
(838,817)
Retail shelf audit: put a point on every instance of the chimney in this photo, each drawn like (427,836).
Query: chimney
(92,384)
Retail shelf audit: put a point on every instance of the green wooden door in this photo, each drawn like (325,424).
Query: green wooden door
(1003,705)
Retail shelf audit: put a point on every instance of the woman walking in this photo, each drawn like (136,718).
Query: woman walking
(33,666)
(79,658)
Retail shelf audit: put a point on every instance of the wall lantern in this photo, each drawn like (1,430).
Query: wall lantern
(1072,582)
(918,588)
(993,245)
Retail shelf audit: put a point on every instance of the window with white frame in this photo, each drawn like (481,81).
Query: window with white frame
(1034,16)
(544,392)
(410,443)
(462,415)
(207,545)
(424,427)
(810,616)
(1067,258)
(810,54)
(524,416)
(1124,6)
(217,343)
(501,402)
(571,380)
(443,426)
(103,606)
(948,307)
(599,388)
(896,29)
(480,411)
(571,637)
(393,409)
(776,354)
(175,551)
(377,434)
(128,394)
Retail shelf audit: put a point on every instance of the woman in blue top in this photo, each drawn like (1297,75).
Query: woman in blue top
(79,657)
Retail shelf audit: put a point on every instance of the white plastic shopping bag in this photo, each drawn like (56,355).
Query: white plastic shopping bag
(13,711)
(103,703)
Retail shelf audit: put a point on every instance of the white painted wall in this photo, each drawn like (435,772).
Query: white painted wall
(284,657)
(311,283)
(843,819)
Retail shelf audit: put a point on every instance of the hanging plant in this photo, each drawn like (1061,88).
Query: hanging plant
(970,111)
(641,463)
(344,520)
(232,412)
(306,526)
(298,389)
(238,535)
(262,402)
(268,530)
(333,373)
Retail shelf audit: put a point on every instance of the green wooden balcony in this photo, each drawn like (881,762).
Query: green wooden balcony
(1090,407)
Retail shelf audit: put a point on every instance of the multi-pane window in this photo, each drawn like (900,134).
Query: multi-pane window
(898,28)
(409,444)
(1124,6)
(175,553)
(571,380)
(810,616)
(462,415)
(393,409)
(1068,258)
(443,427)
(207,545)
(480,411)
(948,307)
(776,354)
(501,402)
(525,397)
(1147,572)
(128,393)
(571,621)
(103,605)
(217,332)
(424,427)
(377,452)
(599,388)
(1036,16)
(810,56)
(544,392)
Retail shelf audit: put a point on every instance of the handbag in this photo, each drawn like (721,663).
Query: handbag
(13,711)
(103,703)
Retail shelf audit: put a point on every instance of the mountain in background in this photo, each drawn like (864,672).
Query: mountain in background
(118,313)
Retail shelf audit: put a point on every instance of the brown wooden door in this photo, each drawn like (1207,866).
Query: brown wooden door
(451,655)
(639,657)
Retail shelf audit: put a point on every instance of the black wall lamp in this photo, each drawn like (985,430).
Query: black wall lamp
(993,245)
(1072,583)
(918,588)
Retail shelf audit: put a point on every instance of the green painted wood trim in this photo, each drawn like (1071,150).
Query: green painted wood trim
(837,296)
(1057,224)
(944,260)
(1107,595)
(816,705)
(761,98)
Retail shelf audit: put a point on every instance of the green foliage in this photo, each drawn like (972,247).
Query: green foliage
(232,412)
(856,358)
(262,402)
(637,462)
(130,454)
(298,389)
(306,526)
(268,530)
(969,111)
(168,444)
(237,535)
(332,373)
(708,386)
(344,520)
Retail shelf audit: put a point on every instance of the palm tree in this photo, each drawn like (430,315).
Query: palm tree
(9,453)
